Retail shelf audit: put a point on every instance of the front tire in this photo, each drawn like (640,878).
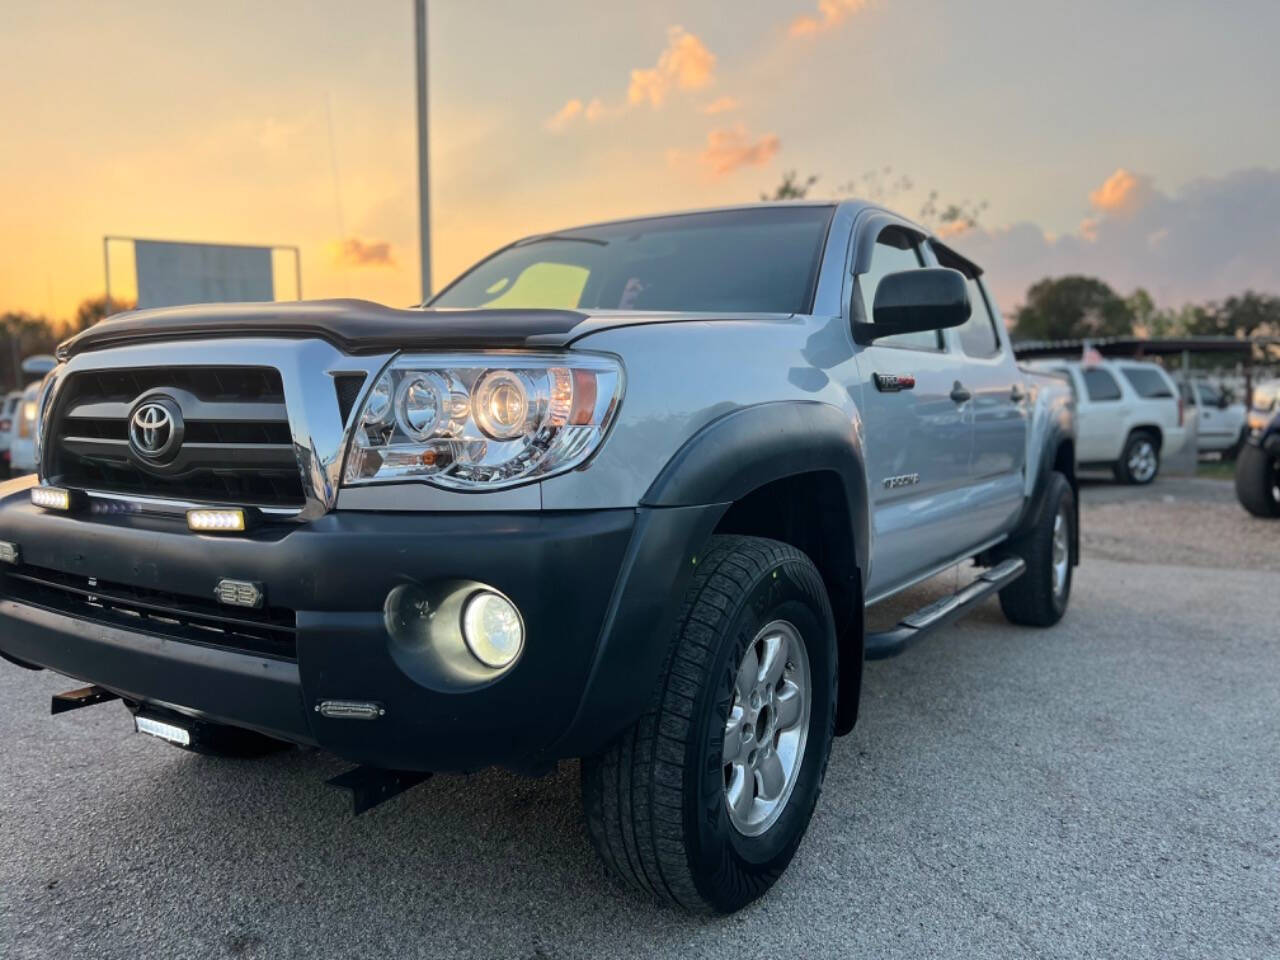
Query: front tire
(1040,596)
(1140,462)
(1258,482)
(704,800)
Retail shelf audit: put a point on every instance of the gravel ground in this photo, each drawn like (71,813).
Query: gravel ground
(1189,521)
(1106,788)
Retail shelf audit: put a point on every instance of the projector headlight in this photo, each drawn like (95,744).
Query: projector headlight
(484,421)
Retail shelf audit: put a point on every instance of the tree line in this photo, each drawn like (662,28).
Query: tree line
(27,334)
(1078,308)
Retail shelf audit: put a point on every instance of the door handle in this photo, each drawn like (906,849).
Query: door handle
(959,394)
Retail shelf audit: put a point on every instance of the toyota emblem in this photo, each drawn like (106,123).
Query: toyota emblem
(155,429)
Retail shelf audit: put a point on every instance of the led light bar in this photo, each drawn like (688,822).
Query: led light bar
(222,520)
(165,731)
(51,498)
(9,552)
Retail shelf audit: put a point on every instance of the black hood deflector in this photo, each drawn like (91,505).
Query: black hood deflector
(355,326)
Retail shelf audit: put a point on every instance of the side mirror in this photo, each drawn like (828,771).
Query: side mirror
(913,301)
(1223,401)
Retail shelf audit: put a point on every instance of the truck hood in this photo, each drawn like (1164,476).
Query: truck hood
(358,326)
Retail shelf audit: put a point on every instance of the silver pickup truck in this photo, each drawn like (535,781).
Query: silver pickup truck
(622,492)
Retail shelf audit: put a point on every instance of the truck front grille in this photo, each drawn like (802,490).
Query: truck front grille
(237,445)
(270,632)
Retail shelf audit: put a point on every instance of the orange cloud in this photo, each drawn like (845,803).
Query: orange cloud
(354,252)
(597,109)
(1123,194)
(685,64)
(730,149)
(956,228)
(565,115)
(721,105)
(831,13)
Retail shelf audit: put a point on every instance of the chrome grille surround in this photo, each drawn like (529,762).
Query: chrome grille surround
(307,369)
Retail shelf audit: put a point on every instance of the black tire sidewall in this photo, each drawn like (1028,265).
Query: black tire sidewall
(1063,496)
(1254,474)
(784,593)
(1030,600)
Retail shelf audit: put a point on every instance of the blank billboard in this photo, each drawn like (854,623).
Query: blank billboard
(170,274)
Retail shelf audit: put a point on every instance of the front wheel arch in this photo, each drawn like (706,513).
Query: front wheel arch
(752,454)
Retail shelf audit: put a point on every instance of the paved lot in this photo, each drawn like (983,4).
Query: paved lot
(1107,788)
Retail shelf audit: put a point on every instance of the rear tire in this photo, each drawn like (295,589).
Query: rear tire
(1258,482)
(1139,464)
(1040,596)
(704,800)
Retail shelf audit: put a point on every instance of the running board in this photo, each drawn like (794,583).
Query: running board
(371,786)
(890,643)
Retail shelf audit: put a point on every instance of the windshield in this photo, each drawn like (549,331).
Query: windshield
(744,261)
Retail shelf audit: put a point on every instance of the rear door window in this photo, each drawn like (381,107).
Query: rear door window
(1149,384)
(977,336)
(1100,385)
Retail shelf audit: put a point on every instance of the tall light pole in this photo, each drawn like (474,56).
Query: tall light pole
(424,171)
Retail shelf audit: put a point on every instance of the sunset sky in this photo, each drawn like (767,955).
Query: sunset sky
(1136,140)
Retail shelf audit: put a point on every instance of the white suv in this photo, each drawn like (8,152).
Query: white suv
(1129,414)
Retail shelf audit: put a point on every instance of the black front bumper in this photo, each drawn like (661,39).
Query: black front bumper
(597,590)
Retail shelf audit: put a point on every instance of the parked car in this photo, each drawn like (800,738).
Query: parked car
(1258,463)
(22,433)
(1129,414)
(21,436)
(1219,421)
(8,408)
(623,493)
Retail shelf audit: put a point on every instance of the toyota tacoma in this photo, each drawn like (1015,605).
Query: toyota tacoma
(620,493)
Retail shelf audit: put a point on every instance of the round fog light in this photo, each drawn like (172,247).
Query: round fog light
(492,629)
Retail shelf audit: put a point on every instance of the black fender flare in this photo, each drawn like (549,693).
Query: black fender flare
(725,460)
(1055,437)
(753,446)
(750,447)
